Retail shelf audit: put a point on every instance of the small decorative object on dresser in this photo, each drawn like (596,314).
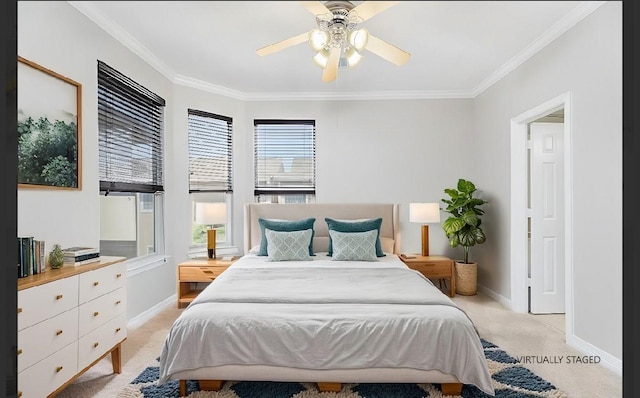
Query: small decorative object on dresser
(56,257)
(463,228)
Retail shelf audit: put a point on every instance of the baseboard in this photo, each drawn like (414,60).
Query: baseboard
(497,297)
(139,320)
(607,360)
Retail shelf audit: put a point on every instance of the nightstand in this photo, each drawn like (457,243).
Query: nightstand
(193,272)
(435,267)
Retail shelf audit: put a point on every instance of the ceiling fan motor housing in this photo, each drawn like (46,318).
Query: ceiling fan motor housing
(339,23)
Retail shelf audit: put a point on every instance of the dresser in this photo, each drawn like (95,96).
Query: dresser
(68,320)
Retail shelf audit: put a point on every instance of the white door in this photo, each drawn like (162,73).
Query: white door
(547,218)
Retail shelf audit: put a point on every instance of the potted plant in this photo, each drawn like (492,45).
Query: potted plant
(463,228)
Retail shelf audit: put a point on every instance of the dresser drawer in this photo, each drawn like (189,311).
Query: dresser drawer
(95,283)
(433,269)
(45,301)
(96,313)
(93,345)
(199,273)
(46,376)
(43,339)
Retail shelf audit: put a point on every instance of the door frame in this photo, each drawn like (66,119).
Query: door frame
(519,209)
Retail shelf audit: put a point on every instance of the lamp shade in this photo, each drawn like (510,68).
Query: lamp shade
(424,213)
(211,213)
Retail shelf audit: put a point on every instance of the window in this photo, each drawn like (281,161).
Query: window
(210,168)
(130,140)
(285,161)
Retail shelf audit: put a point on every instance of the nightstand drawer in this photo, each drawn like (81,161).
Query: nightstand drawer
(433,269)
(200,274)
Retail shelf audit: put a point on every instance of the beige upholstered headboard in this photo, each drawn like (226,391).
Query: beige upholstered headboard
(389,231)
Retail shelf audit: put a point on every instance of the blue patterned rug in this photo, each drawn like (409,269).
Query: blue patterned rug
(510,380)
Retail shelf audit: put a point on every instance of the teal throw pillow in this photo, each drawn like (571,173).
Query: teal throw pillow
(355,226)
(288,246)
(354,246)
(285,226)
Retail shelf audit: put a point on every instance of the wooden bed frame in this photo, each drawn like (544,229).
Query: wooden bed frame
(212,378)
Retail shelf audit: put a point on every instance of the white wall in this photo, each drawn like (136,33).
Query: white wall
(70,44)
(384,151)
(587,62)
(398,151)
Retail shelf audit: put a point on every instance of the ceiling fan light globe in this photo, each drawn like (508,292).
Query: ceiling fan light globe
(353,57)
(318,39)
(358,38)
(321,58)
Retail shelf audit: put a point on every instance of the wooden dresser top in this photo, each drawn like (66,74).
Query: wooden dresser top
(66,271)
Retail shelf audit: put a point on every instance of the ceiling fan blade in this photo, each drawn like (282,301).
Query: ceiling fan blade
(331,71)
(315,7)
(387,51)
(368,9)
(281,45)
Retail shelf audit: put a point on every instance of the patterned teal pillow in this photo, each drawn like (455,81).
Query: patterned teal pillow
(288,246)
(285,226)
(355,226)
(354,246)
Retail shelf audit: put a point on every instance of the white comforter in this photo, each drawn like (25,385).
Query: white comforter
(325,314)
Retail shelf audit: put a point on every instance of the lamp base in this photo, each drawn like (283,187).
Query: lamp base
(425,240)
(211,243)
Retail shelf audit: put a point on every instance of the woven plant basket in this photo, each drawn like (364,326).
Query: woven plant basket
(466,278)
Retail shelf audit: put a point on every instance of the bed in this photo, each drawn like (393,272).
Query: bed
(321,318)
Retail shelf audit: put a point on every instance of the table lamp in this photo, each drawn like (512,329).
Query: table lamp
(424,213)
(211,214)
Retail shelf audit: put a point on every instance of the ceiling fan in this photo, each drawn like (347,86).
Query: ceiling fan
(338,39)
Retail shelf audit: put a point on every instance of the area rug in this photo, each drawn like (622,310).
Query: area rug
(510,380)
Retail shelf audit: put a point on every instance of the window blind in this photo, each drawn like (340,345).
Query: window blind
(210,152)
(284,157)
(130,134)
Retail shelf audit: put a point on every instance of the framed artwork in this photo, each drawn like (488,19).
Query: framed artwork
(49,129)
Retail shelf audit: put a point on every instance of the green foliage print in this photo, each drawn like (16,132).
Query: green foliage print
(47,152)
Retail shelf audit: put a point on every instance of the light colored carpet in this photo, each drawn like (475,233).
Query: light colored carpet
(517,334)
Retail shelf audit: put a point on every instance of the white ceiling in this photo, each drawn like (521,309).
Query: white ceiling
(458,48)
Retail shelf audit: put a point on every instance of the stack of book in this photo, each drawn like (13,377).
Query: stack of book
(31,256)
(81,255)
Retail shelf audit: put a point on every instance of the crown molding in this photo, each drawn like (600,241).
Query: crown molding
(123,37)
(566,23)
(557,30)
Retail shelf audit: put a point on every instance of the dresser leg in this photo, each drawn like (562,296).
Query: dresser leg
(116,359)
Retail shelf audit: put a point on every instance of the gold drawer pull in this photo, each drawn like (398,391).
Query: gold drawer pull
(19,310)
(58,297)
(19,394)
(96,313)
(58,369)
(118,302)
(95,345)
(96,283)
(118,275)
(59,332)
(19,351)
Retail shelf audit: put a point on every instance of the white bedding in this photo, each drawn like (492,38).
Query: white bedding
(325,314)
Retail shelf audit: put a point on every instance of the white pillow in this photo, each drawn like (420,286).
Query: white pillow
(354,246)
(288,245)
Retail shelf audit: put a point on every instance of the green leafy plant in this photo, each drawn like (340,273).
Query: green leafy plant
(463,226)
